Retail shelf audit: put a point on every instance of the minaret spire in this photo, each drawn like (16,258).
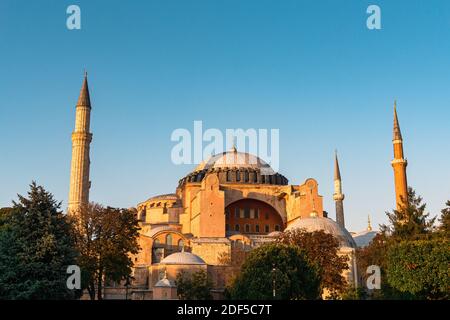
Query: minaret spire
(338,196)
(399,164)
(81,139)
(369,226)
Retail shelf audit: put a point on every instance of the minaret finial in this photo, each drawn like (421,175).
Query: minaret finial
(369,226)
(84,98)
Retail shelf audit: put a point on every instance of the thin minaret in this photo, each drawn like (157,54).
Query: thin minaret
(338,196)
(81,139)
(399,165)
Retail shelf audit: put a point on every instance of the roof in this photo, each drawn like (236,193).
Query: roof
(183,258)
(84,99)
(363,238)
(235,159)
(168,196)
(328,226)
(165,283)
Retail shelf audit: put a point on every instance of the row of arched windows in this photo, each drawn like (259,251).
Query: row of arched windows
(248,228)
(169,241)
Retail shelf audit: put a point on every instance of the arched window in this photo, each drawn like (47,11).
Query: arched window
(144,215)
(257,228)
(169,240)
(156,242)
(277,227)
(180,244)
(246,176)
(228,175)
(247,228)
(236,227)
(238,175)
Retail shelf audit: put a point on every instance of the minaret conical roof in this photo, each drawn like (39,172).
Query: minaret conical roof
(337,172)
(84,99)
(397,133)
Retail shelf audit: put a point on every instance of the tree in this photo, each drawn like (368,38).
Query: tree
(321,249)
(277,271)
(410,222)
(35,248)
(105,238)
(444,227)
(420,269)
(194,287)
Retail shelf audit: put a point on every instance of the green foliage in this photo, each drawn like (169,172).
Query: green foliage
(322,250)
(194,287)
(282,267)
(420,268)
(35,248)
(444,227)
(411,222)
(105,238)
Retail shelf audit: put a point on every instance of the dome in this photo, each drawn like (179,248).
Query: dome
(363,238)
(182,258)
(328,226)
(235,159)
(165,283)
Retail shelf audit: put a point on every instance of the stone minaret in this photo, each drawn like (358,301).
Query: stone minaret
(338,196)
(81,139)
(399,164)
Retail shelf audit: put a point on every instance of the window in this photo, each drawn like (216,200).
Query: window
(156,241)
(246,176)
(228,175)
(180,244)
(165,208)
(247,228)
(277,227)
(247,213)
(169,240)
(266,228)
(143,215)
(257,228)
(236,227)
(227,227)
(242,215)
(252,213)
(263,179)
(238,175)
(267,216)
(256,213)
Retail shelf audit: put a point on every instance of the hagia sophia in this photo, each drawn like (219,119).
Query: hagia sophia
(232,200)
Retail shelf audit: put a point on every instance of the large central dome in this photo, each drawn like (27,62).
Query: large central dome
(235,159)
(236,167)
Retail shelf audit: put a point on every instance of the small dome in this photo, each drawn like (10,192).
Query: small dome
(182,258)
(326,225)
(274,234)
(165,283)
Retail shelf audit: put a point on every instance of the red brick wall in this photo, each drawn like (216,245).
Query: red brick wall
(268,216)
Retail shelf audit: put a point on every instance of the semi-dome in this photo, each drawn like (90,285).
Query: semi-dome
(183,258)
(326,225)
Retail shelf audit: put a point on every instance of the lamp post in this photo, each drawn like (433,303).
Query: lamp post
(273,280)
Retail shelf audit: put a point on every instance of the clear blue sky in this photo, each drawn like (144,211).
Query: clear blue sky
(310,68)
